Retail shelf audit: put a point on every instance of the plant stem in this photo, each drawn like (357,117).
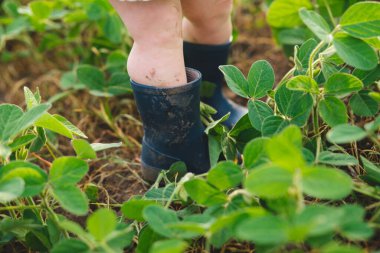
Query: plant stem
(331,16)
(312,56)
(19,208)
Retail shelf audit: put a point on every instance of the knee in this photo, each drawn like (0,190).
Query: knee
(158,26)
(218,13)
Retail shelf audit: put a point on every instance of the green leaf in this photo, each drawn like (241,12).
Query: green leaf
(337,159)
(345,134)
(225,175)
(316,23)
(372,171)
(11,189)
(254,152)
(71,199)
(305,51)
(103,146)
(70,245)
(67,171)
(228,146)
(335,248)
(73,129)
(273,125)
(355,52)
(112,28)
(269,181)
(49,122)
(284,13)
(296,105)
(258,111)
(41,9)
(319,219)
(325,183)
(215,149)
(362,20)
(83,149)
(203,193)
(171,245)
(333,111)
(30,99)
(260,79)
(303,83)
(147,237)
(368,77)
(267,230)
(342,84)
(159,218)
(91,76)
(235,80)
(363,105)
(22,141)
(133,208)
(13,120)
(101,223)
(285,149)
(34,177)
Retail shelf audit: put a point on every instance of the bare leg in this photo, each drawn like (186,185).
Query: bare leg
(207,21)
(156,57)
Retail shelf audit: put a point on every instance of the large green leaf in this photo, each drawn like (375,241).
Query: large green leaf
(101,223)
(355,52)
(368,77)
(13,120)
(269,181)
(67,171)
(333,111)
(235,80)
(326,183)
(342,84)
(159,218)
(171,245)
(49,122)
(112,28)
(273,125)
(91,76)
(363,105)
(33,176)
(267,230)
(303,83)
(257,112)
(70,245)
(260,79)
(225,175)
(203,193)
(254,152)
(362,20)
(11,189)
(133,208)
(337,159)
(71,199)
(316,24)
(285,149)
(83,149)
(284,13)
(345,133)
(296,105)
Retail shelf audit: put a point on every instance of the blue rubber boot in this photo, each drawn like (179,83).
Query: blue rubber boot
(172,127)
(207,59)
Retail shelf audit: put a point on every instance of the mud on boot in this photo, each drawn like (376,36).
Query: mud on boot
(172,127)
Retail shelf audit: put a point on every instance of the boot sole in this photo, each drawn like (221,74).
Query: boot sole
(149,173)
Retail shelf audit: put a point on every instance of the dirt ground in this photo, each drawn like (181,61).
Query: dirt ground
(116,172)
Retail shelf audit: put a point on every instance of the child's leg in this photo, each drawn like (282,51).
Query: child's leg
(156,58)
(207,22)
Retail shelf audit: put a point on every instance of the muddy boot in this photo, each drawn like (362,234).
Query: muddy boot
(207,59)
(172,127)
